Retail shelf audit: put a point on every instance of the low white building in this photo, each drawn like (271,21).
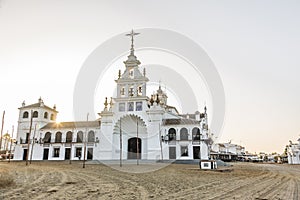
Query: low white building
(131,126)
(227,151)
(293,152)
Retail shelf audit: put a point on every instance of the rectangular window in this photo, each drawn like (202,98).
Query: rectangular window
(130,91)
(56,152)
(139,106)
(131,73)
(78,152)
(121,107)
(130,106)
(122,91)
(140,91)
(184,151)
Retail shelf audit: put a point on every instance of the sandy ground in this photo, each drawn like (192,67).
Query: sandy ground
(60,180)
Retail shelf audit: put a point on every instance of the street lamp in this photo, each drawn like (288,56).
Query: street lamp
(84,141)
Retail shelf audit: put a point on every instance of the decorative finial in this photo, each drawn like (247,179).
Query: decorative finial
(23,104)
(205,109)
(151,100)
(119,75)
(159,87)
(157,99)
(41,102)
(111,103)
(54,107)
(144,71)
(105,103)
(132,34)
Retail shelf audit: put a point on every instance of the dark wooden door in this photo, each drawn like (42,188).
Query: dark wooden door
(196,152)
(90,153)
(46,154)
(134,148)
(24,154)
(67,153)
(172,152)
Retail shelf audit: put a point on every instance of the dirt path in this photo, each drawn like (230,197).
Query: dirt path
(60,180)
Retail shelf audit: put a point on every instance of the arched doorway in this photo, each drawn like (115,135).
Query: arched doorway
(130,131)
(134,148)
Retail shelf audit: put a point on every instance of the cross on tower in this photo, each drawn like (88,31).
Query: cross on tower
(132,34)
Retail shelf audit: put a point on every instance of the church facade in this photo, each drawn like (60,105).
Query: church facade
(131,126)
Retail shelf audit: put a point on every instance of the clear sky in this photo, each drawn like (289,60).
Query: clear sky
(254,44)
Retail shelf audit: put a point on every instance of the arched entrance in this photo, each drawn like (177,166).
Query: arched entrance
(130,137)
(134,148)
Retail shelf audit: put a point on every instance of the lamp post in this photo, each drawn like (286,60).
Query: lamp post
(160,141)
(2,130)
(70,160)
(33,141)
(84,141)
(137,141)
(121,146)
(11,141)
(28,142)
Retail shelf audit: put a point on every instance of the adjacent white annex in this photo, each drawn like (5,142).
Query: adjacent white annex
(131,126)
(293,152)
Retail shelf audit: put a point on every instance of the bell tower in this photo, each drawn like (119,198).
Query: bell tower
(131,84)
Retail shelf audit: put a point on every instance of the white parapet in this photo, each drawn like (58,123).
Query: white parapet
(208,164)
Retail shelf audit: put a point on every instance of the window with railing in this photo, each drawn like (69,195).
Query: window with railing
(172,135)
(91,136)
(47,138)
(196,135)
(184,134)
(69,137)
(25,114)
(79,136)
(58,137)
(35,114)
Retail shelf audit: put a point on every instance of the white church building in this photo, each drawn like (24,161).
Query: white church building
(131,126)
(293,152)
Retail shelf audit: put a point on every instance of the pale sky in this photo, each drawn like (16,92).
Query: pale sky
(254,45)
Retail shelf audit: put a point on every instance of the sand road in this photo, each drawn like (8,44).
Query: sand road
(60,180)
